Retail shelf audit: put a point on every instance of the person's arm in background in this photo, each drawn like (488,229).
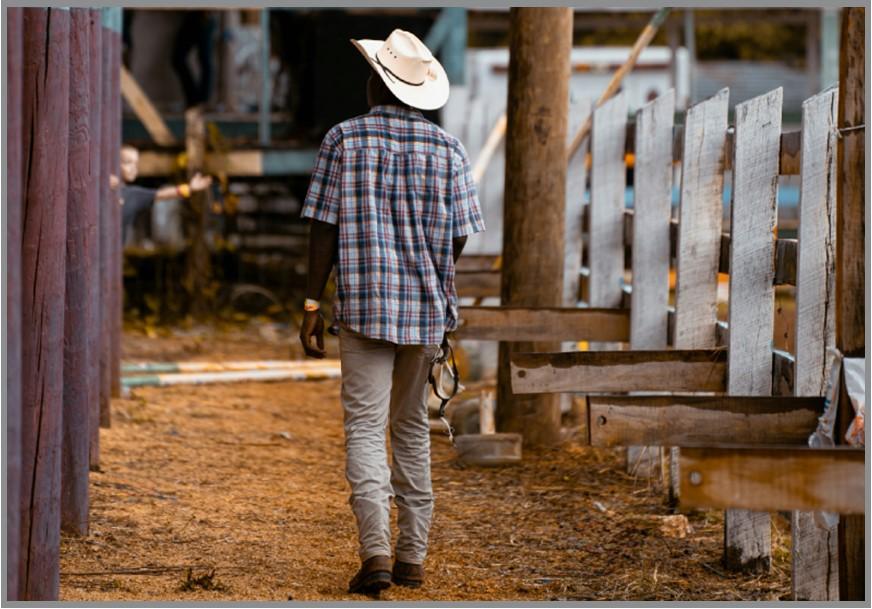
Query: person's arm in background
(198,182)
(322,207)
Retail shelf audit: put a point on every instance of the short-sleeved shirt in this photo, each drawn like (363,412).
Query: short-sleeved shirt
(400,190)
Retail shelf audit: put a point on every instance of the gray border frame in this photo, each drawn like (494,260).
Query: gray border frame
(474,4)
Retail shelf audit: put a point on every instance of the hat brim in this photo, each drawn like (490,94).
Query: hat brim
(432,95)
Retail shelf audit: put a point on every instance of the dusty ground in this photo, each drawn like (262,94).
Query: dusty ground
(237,491)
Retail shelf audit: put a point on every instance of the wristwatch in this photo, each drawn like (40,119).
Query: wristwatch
(311,305)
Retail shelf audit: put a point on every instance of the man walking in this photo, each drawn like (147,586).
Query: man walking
(392,202)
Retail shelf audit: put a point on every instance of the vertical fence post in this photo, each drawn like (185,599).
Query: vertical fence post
(700,216)
(95,120)
(81,219)
(652,214)
(815,572)
(117,287)
(747,535)
(45,102)
(850,262)
(535,185)
(12,221)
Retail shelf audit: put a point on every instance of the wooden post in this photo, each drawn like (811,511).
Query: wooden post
(747,535)
(45,97)
(815,572)
(850,263)
(14,34)
(117,287)
(108,200)
(197,271)
(80,259)
(95,81)
(535,186)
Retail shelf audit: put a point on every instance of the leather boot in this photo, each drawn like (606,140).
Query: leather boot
(374,575)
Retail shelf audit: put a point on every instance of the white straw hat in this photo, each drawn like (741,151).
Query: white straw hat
(408,68)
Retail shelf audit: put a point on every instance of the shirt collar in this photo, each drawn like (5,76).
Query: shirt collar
(394,110)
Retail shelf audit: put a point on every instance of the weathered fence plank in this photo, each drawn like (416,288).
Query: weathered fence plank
(701,420)
(116,288)
(14,59)
(652,215)
(607,182)
(774,479)
(543,324)
(45,103)
(477,284)
(747,542)
(699,223)
(618,371)
(576,183)
(81,220)
(814,549)
(95,81)
(700,213)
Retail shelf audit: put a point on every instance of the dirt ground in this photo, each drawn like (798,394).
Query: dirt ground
(237,492)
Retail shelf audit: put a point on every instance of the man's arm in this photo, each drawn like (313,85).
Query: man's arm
(323,251)
(458,243)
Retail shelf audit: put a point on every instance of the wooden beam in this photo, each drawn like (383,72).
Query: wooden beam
(678,370)
(698,420)
(477,284)
(145,110)
(774,479)
(543,324)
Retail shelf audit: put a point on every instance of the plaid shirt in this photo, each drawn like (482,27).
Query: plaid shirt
(400,189)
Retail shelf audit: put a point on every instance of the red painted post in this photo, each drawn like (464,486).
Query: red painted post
(95,82)
(45,131)
(117,291)
(13,299)
(81,221)
(106,232)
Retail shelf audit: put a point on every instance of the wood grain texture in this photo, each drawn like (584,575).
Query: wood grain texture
(543,324)
(771,479)
(45,103)
(535,186)
(699,223)
(80,259)
(618,371)
(607,182)
(95,82)
(12,349)
(698,421)
(815,573)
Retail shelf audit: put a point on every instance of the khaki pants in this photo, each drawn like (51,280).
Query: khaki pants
(383,382)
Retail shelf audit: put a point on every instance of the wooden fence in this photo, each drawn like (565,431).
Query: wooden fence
(738,412)
(64,283)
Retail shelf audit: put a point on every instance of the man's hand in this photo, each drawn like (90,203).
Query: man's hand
(313,326)
(113,181)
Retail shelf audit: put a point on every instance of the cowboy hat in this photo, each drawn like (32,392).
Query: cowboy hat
(408,68)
